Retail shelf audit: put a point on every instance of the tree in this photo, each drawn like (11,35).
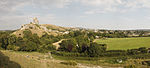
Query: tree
(27,33)
(51,47)
(29,46)
(69,45)
(12,40)
(4,41)
(13,47)
(143,50)
(96,50)
(71,34)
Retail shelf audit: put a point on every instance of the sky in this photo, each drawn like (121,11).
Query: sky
(94,14)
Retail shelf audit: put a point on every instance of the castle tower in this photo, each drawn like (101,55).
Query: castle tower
(35,20)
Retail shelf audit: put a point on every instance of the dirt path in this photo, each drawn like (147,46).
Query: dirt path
(57,43)
(85,66)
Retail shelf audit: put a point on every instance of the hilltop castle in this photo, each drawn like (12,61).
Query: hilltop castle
(35,21)
(27,26)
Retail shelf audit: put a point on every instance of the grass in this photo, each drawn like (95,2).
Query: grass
(30,60)
(125,43)
(104,62)
(34,60)
(90,61)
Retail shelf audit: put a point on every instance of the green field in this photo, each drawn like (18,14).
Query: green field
(125,43)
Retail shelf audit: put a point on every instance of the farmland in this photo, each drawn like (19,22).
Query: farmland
(125,43)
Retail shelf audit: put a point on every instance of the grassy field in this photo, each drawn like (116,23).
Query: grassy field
(125,43)
(39,60)
(33,60)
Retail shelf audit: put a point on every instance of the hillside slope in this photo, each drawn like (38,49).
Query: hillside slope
(41,29)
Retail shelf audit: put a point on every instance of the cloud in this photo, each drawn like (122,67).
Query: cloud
(51,3)
(13,15)
(15,21)
(10,6)
(16,12)
(105,10)
(117,3)
(107,6)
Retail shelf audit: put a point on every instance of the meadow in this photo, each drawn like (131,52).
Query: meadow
(33,60)
(125,43)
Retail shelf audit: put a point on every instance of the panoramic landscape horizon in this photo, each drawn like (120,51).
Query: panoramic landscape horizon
(74,33)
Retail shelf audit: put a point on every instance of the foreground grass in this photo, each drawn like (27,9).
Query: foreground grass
(34,60)
(91,61)
(125,43)
(104,62)
(39,60)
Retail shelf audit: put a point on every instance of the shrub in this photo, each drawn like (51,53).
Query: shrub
(41,50)
(51,47)
(143,50)
(29,46)
(130,66)
(146,63)
(96,50)
(10,47)
(69,63)
(118,60)
(69,45)
(68,54)
(133,51)
(13,47)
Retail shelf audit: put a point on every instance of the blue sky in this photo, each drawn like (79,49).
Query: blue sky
(95,14)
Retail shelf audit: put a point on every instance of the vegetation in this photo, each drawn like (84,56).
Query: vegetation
(115,47)
(30,42)
(70,63)
(130,66)
(5,62)
(30,60)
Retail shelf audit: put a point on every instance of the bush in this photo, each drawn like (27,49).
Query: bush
(69,45)
(133,51)
(130,66)
(29,46)
(146,63)
(96,50)
(51,47)
(13,47)
(70,63)
(68,54)
(143,50)
(118,60)
(41,50)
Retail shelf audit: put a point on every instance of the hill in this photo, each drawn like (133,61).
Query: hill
(41,29)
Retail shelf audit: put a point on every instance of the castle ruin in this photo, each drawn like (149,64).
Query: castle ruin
(27,26)
(35,20)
